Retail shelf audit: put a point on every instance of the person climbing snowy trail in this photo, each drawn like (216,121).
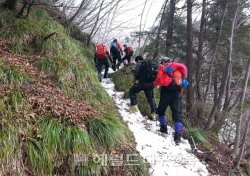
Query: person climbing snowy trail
(157,149)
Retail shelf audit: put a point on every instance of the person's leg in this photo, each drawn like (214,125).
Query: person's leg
(124,60)
(120,62)
(129,59)
(136,88)
(175,106)
(119,58)
(149,93)
(99,70)
(106,64)
(150,98)
(161,109)
(114,63)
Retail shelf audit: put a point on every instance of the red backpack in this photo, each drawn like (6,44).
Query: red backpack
(101,51)
(130,50)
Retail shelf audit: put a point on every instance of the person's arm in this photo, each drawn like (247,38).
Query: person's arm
(109,56)
(137,71)
(126,51)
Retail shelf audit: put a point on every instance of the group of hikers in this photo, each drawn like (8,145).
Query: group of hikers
(169,76)
(115,56)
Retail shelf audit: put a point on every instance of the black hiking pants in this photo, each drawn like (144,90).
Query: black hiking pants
(170,98)
(116,59)
(148,90)
(100,64)
(126,57)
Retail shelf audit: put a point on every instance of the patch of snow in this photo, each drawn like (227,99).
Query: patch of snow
(160,151)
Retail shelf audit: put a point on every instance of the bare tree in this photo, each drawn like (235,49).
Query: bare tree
(170,27)
(159,30)
(139,45)
(239,121)
(243,145)
(96,22)
(227,67)
(216,44)
(200,58)
(189,53)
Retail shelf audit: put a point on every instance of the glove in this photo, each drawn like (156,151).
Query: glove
(185,83)
(169,69)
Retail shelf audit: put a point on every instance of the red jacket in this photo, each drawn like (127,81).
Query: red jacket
(164,79)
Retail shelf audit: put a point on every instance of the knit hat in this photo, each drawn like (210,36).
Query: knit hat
(165,59)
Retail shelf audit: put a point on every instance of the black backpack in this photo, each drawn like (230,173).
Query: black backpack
(148,70)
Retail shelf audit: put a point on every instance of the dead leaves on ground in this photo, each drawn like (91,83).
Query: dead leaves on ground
(42,94)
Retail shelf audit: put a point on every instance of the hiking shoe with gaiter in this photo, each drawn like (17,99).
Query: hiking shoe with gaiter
(164,129)
(177,138)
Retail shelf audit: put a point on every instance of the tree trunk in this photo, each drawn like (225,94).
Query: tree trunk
(170,27)
(139,45)
(238,124)
(96,22)
(190,94)
(200,59)
(76,13)
(227,68)
(237,166)
(147,37)
(227,96)
(159,30)
(218,36)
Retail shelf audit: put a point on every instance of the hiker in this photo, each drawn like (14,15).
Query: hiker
(172,78)
(101,58)
(142,85)
(116,52)
(128,50)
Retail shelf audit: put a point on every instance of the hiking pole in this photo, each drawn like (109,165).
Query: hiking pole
(194,148)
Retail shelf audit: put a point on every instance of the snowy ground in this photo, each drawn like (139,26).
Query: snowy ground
(160,151)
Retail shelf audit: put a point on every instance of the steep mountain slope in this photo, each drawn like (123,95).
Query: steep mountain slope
(55,118)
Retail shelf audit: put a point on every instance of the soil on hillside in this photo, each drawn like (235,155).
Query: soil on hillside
(217,158)
(42,95)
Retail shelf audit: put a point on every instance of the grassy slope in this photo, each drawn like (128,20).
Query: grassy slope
(50,144)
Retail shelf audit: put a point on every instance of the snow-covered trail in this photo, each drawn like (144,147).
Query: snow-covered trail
(160,151)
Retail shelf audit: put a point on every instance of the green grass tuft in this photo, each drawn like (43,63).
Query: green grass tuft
(9,75)
(8,142)
(39,157)
(108,133)
(63,139)
(200,137)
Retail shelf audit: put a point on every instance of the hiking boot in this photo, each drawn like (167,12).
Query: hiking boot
(134,108)
(177,138)
(164,129)
(153,116)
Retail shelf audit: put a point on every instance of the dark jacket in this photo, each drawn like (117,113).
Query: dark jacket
(137,71)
